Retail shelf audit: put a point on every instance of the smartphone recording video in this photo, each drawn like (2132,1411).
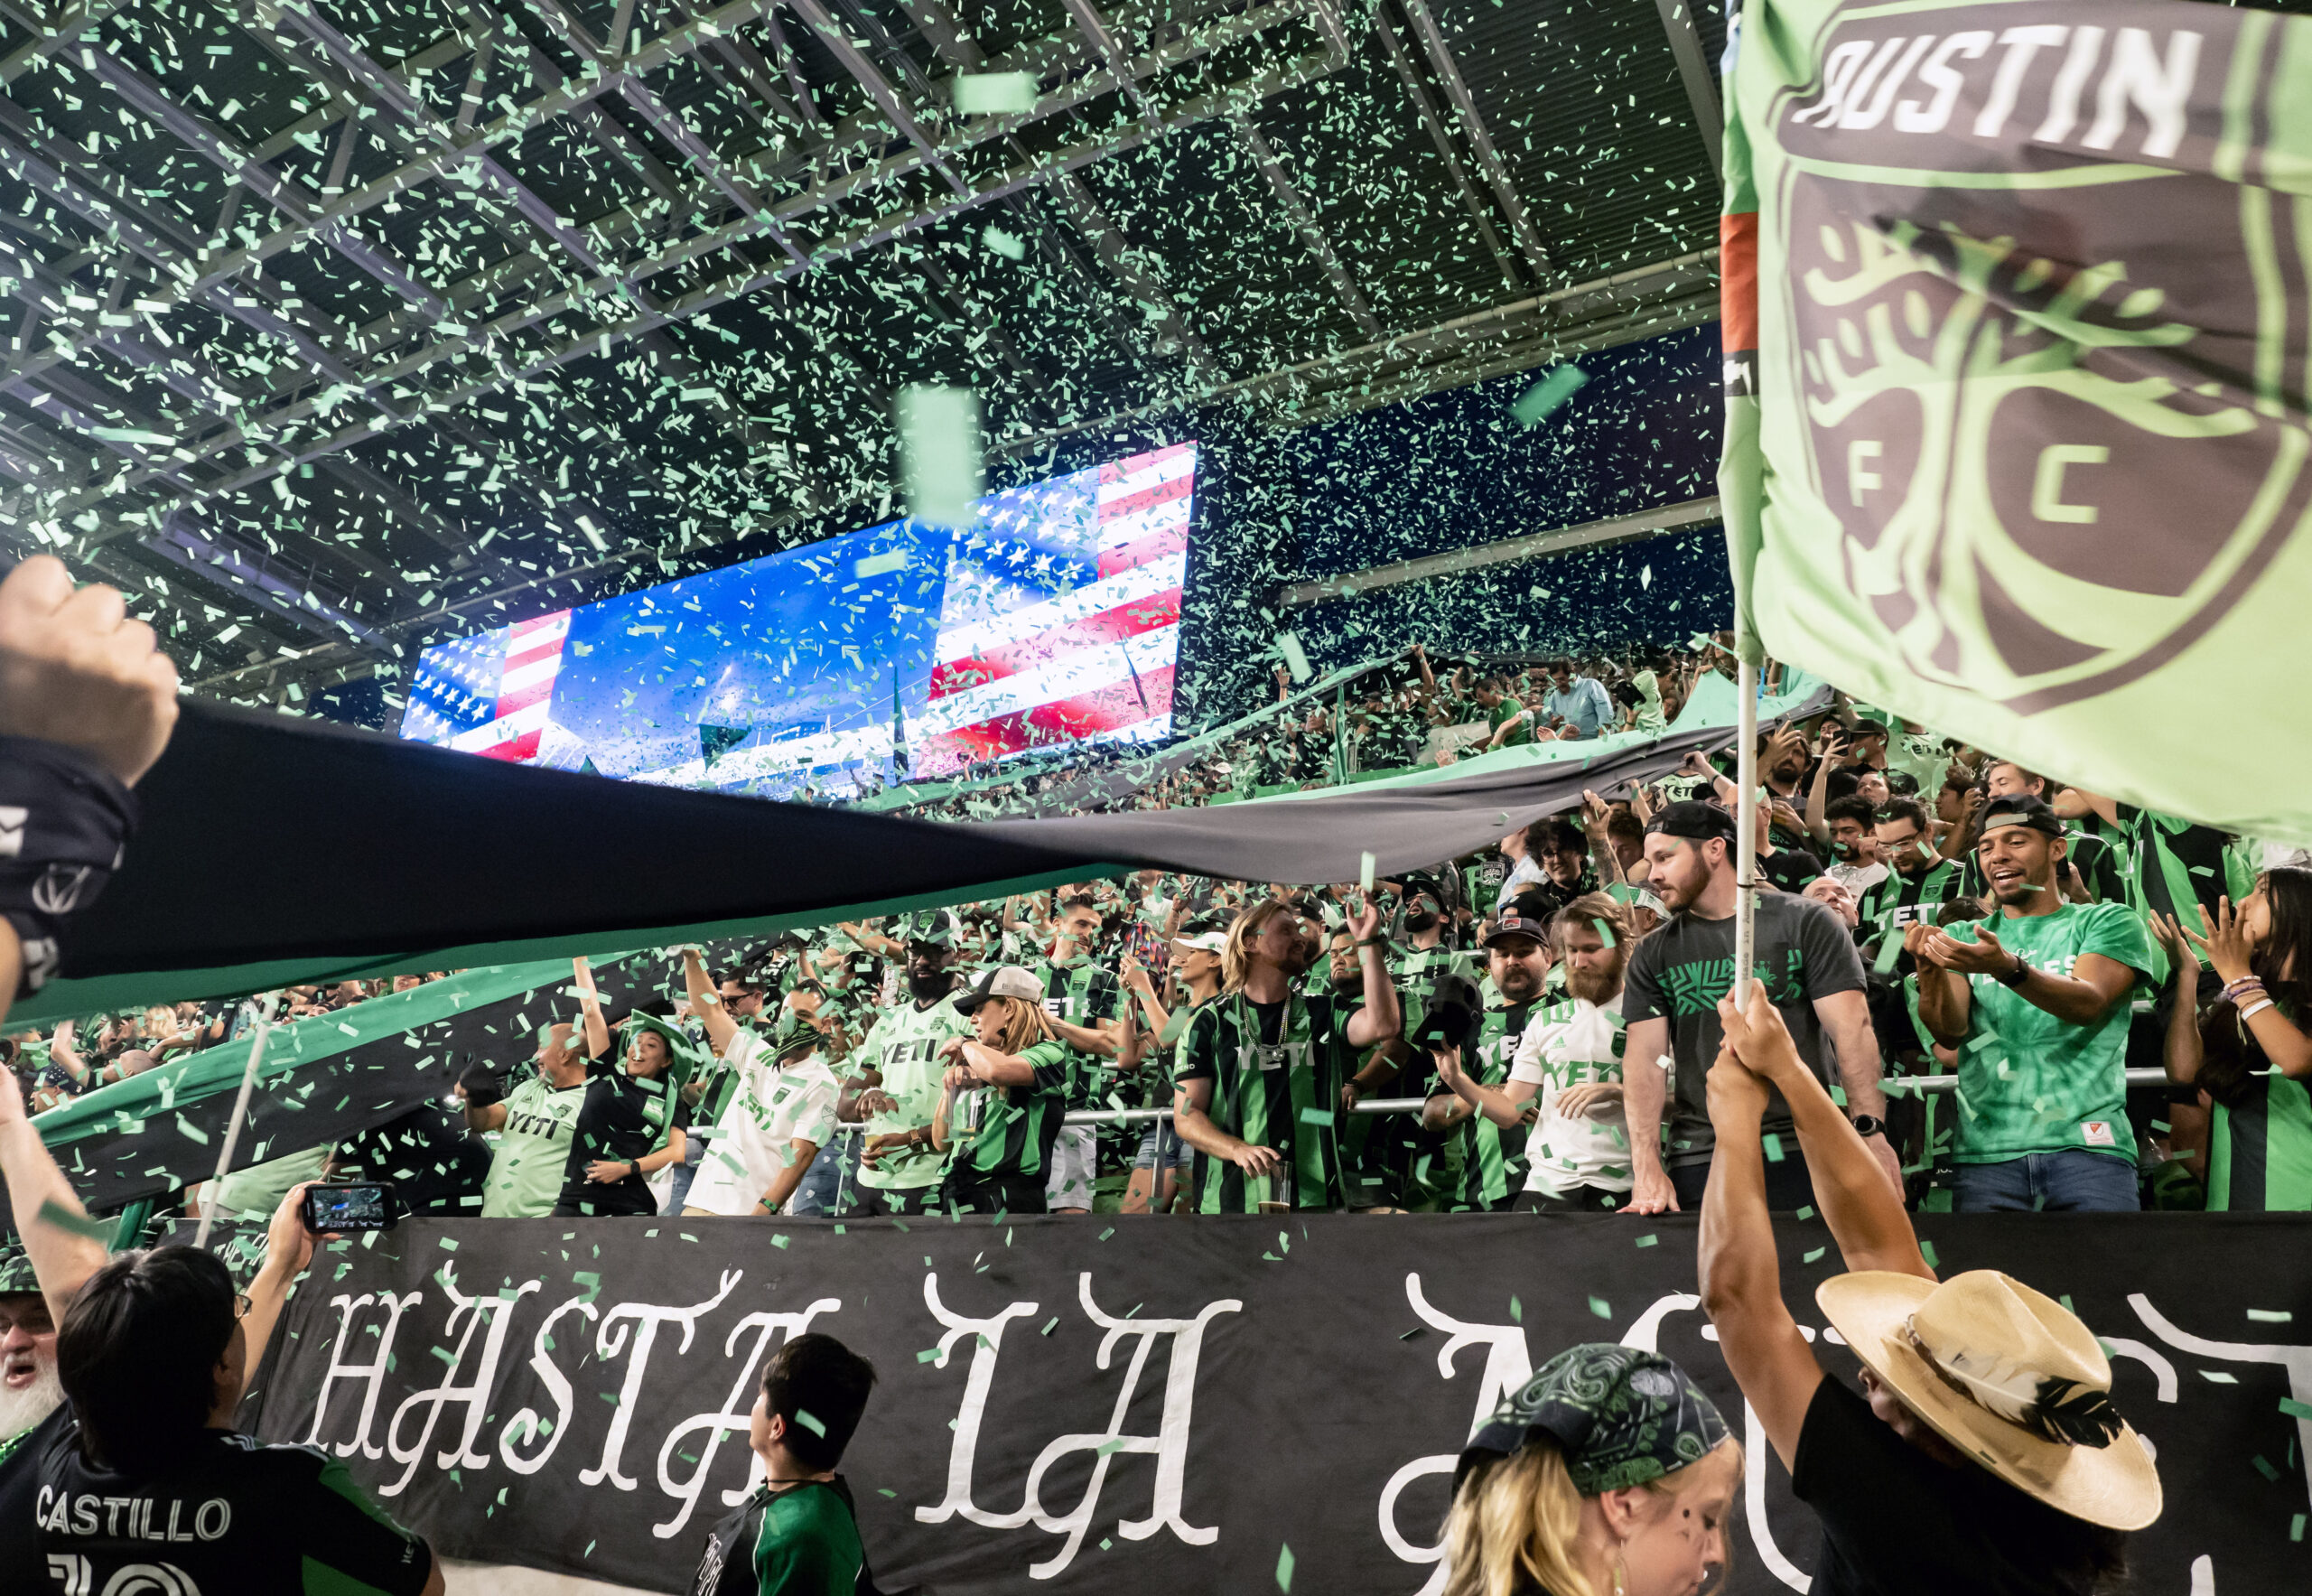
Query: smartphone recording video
(349,1206)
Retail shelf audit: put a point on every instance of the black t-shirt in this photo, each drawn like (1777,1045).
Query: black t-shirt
(22,1567)
(622,1118)
(234,1515)
(1896,1522)
(1789,869)
(1681,971)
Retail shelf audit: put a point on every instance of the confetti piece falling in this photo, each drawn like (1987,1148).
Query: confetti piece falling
(1283,1567)
(940,460)
(1536,404)
(989,94)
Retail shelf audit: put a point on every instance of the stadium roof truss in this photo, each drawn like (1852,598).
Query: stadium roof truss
(340,323)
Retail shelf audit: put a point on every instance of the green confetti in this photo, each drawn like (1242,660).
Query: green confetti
(989,94)
(2271,1316)
(1601,1308)
(57,1216)
(1649,1239)
(940,460)
(1285,1568)
(1537,403)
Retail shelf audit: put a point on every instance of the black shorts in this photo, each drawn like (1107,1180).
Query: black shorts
(1581,1199)
(996,1194)
(901,1202)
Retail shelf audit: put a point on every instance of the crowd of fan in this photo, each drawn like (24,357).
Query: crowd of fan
(1539,1016)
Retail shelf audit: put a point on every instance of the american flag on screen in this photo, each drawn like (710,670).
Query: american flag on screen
(488,694)
(1062,614)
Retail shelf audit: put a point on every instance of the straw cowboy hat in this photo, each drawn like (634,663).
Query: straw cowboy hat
(2010,1377)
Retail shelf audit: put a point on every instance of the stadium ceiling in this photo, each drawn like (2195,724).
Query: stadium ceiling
(342,324)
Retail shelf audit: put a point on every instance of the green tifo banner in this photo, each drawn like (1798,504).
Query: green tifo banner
(2016,330)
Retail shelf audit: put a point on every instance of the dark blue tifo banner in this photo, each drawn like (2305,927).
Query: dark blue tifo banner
(1105,1404)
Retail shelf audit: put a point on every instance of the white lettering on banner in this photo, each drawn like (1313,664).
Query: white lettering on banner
(987,1342)
(367,1374)
(525,1426)
(1507,1364)
(2296,1360)
(498,1311)
(610,1339)
(1169,1443)
(2142,76)
(732,1418)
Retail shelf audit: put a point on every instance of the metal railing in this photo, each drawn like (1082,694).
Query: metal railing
(1917,1085)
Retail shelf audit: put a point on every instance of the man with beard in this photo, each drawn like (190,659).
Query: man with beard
(1518,958)
(1918,883)
(1782,766)
(899,1171)
(1674,980)
(1577,1153)
(1259,1082)
(32,1406)
(1082,1000)
(2037,1003)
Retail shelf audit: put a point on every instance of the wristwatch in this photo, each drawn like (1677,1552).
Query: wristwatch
(2016,977)
(1869,1124)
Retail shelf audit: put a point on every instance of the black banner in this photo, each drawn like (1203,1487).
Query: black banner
(1131,1403)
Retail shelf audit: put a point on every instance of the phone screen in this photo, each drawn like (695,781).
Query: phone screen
(365,1206)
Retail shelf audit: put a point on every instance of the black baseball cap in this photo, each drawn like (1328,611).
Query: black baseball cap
(1517,918)
(1691,817)
(2020,809)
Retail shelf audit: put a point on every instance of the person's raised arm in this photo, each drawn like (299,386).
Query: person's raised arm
(1818,795)
(1136,980)
(63,1051)
(706,1003)
(63,1257)
(590,1005)
(1596,818)
(1645,1091)
(1380,1018)
(1864,1211)
(2223,942)
(1739,1271)
(2181,1052)
(288,1253)
(2075,803)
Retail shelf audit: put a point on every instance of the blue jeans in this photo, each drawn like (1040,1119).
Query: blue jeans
(823,1182)
(2072,1182)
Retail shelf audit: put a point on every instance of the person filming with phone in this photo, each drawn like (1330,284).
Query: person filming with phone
(140,1482)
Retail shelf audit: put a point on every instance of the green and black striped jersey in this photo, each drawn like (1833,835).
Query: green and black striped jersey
(1018,1125)
(1276,1070)
(1493,1161)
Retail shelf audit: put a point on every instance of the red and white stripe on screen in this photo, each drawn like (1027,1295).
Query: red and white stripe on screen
(525,691)
(1071,647)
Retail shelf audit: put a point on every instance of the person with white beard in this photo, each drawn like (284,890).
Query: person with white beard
(32,1404)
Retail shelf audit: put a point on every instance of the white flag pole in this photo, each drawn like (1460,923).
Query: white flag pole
(1746,825)
(240,1113)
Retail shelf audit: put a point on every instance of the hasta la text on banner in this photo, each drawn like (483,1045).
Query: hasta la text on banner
(1165,1405)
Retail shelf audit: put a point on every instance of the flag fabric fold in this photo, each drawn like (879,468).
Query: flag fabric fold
(2018,320)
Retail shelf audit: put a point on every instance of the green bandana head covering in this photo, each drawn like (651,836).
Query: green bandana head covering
(682,1060)
(15,1269)
(1621,1416)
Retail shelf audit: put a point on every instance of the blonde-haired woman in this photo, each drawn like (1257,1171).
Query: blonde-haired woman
(1609,1473)
(1012,1077)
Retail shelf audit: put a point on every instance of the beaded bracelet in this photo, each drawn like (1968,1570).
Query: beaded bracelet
(2234,990)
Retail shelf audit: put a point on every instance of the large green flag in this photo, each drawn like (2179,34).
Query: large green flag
(2016,440)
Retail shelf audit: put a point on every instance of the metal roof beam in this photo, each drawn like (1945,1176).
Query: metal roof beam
(1694,74)
(1497,175)
(878,89)
(1312,231)
(750,277)
(1107,241)
(1433,123)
